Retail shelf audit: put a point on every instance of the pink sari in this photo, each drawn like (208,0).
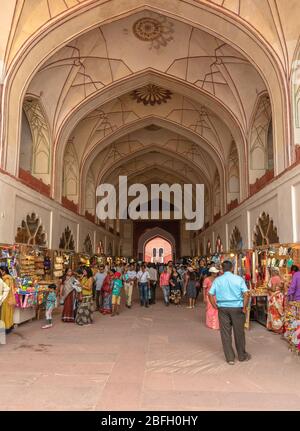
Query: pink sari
(212,320)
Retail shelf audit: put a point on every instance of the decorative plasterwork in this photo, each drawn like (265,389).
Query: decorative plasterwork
(67,241)
(88,245)
(91,62)
(265,232)
(208,248)
(41,151)
(31,231)
(71,173)
(236,240)
(151,95)
(233,174)
(217,194)
(219,245)
(159,31)
(259,137)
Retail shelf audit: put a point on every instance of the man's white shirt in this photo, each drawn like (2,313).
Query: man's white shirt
(143,277)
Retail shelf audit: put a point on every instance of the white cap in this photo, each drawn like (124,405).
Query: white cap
(214,270)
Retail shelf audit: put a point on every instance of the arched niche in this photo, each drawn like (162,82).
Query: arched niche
(35,144)
(265,232)
(261,145)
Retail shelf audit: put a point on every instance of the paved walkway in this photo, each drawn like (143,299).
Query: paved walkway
(145,359)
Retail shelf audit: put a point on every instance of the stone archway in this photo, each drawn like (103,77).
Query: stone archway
(158,250)
(152,233)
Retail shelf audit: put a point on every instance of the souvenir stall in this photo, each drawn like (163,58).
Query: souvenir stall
(63,260)
(292,326)
(9,258)
(32,277)
(97,260)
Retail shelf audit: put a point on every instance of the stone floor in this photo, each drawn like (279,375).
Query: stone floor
(144,359)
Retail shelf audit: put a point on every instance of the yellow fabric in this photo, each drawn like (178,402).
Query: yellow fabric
(7,309)
(85,284)
(116,300)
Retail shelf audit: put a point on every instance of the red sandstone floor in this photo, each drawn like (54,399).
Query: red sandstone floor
(145,359)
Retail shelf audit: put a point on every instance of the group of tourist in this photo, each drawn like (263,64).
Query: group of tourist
(100,288)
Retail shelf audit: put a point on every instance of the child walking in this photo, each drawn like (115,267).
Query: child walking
(50,305)
(116,293)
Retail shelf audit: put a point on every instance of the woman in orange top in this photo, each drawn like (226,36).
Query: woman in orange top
(212,319)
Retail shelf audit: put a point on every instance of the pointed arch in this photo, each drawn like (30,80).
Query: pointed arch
(37,159)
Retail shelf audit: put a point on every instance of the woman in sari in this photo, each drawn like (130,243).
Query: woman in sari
(212,320)
(84,315)
(175,287)
(8,305)
(106,293)
(275,320)
(69,296)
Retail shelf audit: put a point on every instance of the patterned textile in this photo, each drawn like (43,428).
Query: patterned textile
(85,310)
(275,318)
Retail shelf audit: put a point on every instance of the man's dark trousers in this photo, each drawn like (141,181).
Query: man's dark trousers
(232,318)
(152,290)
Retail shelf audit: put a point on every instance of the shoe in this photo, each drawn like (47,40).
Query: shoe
(47,326)
(167,304)
(146,305)
(142,305)
(230,362)
(247,358)
(128,306)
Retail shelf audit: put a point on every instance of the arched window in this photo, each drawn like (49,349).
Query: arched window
(161,252)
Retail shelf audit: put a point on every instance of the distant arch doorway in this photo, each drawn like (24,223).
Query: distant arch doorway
(151,234)
(158,250)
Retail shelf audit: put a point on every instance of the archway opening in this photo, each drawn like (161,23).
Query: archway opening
(158,250)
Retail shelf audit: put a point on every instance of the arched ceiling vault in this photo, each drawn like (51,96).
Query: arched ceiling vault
(203,17)
(218,163)
(102,167)
(122,115)
(157,174)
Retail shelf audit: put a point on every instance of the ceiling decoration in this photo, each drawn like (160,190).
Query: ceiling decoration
(67,241)
(151,95)
(265,232)
(153,128)
(157,31)
(31,231)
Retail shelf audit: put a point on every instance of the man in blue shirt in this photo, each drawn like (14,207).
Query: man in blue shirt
(229,295)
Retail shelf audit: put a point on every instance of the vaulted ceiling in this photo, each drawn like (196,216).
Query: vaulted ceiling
(184,90)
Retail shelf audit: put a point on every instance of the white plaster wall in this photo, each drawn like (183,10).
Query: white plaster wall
(280,199)
(18,200)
